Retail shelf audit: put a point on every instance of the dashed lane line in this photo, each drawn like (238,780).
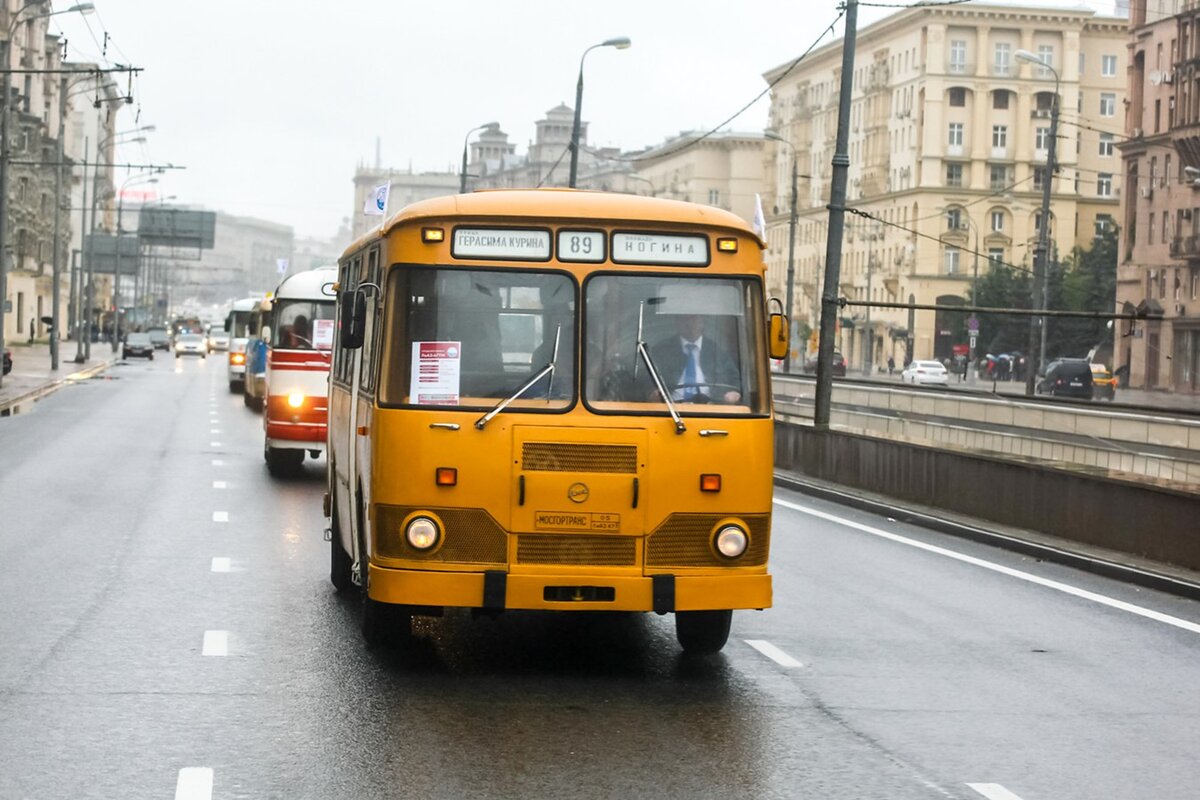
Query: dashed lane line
(216,643)
(774,653)
(222,564)
(219,484)
(216,462)
(220,516)
(214,444)
(194,783)
(1057,586)
(993,791)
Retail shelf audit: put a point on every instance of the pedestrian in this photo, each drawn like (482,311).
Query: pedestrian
(891,365)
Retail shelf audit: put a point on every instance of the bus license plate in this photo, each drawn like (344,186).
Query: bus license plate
(576,521)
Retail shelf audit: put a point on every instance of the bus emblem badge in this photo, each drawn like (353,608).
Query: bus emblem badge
(578,493)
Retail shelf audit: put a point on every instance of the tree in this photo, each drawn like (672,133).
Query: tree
(1086,282)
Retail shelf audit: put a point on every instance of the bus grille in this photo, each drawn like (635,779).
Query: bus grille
(471,536)
(684,540)
(601,551)
(570,457)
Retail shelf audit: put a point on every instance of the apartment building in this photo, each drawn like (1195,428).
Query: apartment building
(1159,263)
(948,154)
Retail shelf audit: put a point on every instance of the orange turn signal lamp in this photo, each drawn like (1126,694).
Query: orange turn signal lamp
(710,483)
(727,244)
(446,476)
(433,235)
(237,358)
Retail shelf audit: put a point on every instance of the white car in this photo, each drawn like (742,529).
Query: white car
(218,340)
(925,372)
(191,344)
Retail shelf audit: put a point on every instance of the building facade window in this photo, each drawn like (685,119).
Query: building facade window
(958,97)
(1039,178)
(999,136)
(1108,66)
(951,260)
(954,219)
(1104,186)
(998,176)
(996,256)
(1106,144)
(1041,139)
(1045,54)
(956,134)
(954,175)
(1108,104)
(1000,99)
(1002,59)
(714,197)
(958,55)
(998,221)
(1103,224)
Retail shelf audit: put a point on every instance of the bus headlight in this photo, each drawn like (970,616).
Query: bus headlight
(731,541)
(422,533)
(296,399)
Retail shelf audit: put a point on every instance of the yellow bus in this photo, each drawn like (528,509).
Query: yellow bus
(553,399)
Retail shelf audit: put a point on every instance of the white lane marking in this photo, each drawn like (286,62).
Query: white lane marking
(216,643)
(993,791)
(222,564)
(774,653)
(216,462)
(220,516)
(219,484)
(1121,605)
(194,783)
(214,431)
(214,444)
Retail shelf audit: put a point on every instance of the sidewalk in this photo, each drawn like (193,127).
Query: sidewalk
(31,377)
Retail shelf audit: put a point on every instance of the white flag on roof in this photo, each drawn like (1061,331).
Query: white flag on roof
(377,201)
(760,221)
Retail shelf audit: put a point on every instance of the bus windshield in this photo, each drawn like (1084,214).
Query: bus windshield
(700,334)
(472,337)
(303,325)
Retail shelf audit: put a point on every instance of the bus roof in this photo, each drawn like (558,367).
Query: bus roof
(245,304)
(307,285)
(562,204)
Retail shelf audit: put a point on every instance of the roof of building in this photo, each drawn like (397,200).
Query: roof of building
(552,204)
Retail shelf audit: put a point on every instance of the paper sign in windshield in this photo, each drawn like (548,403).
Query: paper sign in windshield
(322,331)
(435,373)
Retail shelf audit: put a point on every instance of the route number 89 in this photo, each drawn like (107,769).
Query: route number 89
(581,246)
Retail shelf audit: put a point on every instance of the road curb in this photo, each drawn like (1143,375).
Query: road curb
(50,388)
(1059,554)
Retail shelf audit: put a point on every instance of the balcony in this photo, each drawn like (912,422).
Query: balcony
(1185,247)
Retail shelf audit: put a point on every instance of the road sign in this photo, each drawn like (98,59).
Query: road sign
(101,248)
(177,227)
(972,323)
(973,340)
(281,265)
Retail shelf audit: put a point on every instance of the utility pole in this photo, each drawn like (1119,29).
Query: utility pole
(791,268)
(837,220)
(4,156)
(58,179)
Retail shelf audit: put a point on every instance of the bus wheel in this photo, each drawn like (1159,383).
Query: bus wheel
(340,562)
(247,401)
(235,387)
(282,462)
(702,631)
(385,625)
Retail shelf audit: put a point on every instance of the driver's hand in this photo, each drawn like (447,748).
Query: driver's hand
(732,397)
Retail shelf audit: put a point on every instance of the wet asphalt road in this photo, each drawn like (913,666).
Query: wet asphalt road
(920,675)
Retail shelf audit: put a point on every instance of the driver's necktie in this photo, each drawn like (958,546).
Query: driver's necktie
(691,373)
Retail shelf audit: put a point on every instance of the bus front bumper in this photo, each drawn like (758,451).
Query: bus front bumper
(500,590)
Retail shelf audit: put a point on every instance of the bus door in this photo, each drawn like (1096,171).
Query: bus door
(580,481)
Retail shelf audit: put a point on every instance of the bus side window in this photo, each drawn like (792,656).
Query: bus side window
(371,343)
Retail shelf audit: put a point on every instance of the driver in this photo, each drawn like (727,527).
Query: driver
(689,362)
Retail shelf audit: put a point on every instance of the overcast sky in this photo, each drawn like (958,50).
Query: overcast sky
(271,105)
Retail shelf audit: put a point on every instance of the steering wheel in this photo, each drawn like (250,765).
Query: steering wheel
(701,397)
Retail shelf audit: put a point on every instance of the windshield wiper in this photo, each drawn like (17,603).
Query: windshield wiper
(541,373)
(653,370)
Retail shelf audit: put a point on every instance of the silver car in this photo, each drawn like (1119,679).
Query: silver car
(191,344)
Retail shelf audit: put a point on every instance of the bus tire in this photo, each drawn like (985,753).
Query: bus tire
(235,386)
(385,625)
(702,631)
(340,562)
(282,462)
(247,401)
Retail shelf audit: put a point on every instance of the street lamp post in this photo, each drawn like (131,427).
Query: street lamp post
(619,42)
(791,265)
(462,178)
(131,180)
(1040,264)
(5,156)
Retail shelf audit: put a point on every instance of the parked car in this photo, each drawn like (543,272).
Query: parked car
(1103,383)
(160,338)
(1067,377)
(7,361)
(138,344)
(218,340)
(191,344)
(839,365)
(922,372)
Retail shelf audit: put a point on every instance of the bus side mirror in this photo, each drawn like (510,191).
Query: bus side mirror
(778,336)
(353,317)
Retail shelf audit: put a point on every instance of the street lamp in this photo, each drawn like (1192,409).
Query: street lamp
(791,265)
(490,127)
(1040,264)
(619,42)
(116,298)
(6,88)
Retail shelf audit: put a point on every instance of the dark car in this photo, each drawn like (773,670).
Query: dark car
(160,338)
(139,345)
(7,361)
(839,365)
(1067,377)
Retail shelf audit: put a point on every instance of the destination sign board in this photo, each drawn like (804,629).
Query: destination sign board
(508,244)
(658,248)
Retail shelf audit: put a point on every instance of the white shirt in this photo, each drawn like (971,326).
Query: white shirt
(698,388)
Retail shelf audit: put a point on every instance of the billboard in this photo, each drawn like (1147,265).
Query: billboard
(177,227)
(101,250)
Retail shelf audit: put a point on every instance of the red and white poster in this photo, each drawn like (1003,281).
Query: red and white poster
(322,331)
(435,373)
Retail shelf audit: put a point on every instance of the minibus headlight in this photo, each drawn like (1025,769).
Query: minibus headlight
(731,541)
(422,533)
